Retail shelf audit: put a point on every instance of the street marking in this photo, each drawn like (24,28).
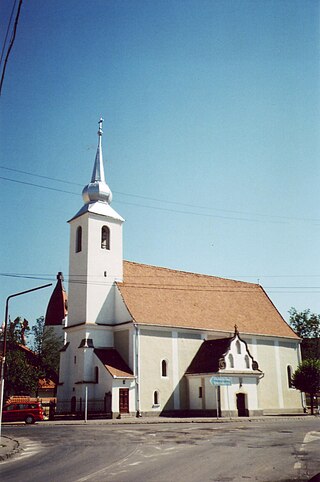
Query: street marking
(107,467)
(309,437)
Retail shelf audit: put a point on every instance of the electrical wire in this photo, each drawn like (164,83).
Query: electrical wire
(176,286)
(10,45)
(282,219)
(7,32)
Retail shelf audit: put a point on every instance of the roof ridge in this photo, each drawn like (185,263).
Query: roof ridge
(190,273)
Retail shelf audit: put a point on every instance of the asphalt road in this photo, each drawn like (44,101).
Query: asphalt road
(281,450)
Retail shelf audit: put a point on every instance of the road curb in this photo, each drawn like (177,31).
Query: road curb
(8,448)
(162,420)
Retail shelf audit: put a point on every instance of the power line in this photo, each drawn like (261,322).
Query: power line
(282,219)
(7,32)
(162,200)
(10,45)
(179,287)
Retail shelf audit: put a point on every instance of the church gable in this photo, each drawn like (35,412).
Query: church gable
(222,356)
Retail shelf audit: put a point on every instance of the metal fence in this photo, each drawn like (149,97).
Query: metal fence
(77,406)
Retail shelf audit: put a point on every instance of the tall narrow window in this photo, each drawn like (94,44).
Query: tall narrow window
(247,361)
(289,375)
(231,362)
(200,392)
(79,239)
(155,397)
(164,368)
(96,374)
(238,346)
(105,237)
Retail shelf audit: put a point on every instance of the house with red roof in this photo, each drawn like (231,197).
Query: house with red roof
(146,340)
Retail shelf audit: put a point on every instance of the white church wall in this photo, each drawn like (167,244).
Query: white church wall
(78,265)
(196,402)
(104,267)
(273,393)
(177,349)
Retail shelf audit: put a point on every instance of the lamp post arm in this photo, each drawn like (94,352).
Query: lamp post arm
(4,348)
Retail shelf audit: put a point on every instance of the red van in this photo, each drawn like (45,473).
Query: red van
(28,412)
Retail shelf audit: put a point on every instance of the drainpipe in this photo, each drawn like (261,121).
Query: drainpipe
(137,368)
(303,395)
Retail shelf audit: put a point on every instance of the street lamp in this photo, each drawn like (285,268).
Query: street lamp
(4,349)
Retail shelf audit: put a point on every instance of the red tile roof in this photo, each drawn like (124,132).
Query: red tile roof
(166,297)
(113,362)
(58,304)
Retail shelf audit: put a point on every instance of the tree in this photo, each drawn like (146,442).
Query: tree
(21,378)
(307,326)
(307,378)
(46,346)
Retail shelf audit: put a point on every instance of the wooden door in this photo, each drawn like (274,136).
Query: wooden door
(241,405)
(124,400)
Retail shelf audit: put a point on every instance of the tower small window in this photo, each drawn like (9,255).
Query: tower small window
(164,366)
(105,237)
(200,392)
(79,239)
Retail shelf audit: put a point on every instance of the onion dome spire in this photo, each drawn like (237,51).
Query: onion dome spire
(98,189)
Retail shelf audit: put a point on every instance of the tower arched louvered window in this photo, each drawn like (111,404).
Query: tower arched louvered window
(79,239)
(105,237)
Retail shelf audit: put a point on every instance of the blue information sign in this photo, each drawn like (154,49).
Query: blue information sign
(220,381)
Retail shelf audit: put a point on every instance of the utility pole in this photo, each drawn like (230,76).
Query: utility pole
(4,348)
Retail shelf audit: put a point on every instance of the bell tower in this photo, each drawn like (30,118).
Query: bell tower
(95,259)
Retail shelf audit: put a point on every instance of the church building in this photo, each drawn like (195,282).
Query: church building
(144,340)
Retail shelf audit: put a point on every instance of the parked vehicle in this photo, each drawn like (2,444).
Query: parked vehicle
(27,411)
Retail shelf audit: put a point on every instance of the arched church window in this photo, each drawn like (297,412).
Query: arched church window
(164,366)
(247,361)
(231,362)
(156,397)
(96,374)
(105,237)
(238,347)
(79,239)
(289,376)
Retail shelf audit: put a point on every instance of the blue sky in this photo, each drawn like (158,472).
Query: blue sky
(211,138)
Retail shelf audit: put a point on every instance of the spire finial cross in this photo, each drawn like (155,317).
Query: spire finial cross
(100,131)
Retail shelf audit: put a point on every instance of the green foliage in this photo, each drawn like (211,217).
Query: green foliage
(307,326)
(305,323)
(46,346)
(21,378)
(307,378)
